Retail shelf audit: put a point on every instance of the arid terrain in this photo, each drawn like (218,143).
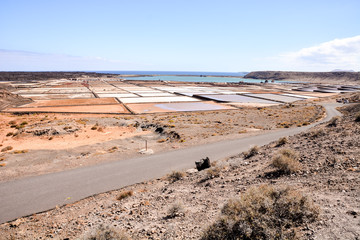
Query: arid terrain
(182,207)
(44,143)
(183,204)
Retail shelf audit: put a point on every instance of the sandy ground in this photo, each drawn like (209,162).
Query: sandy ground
(329,175)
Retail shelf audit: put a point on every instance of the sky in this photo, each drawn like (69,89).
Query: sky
(179,35)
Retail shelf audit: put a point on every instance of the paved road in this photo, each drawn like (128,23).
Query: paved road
(36,194)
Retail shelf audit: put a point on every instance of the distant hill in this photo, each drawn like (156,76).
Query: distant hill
(8,99)
(318,77)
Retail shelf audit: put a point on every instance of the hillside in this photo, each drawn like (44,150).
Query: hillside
(183,205)
(314,77)
(8,99)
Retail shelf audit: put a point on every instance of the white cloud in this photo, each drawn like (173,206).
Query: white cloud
(31,61)
(336,54)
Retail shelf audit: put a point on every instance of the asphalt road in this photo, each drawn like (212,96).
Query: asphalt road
(31,195)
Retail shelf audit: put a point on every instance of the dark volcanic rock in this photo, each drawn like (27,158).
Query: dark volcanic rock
(306,76)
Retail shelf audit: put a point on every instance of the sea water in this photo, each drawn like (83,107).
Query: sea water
(186,76)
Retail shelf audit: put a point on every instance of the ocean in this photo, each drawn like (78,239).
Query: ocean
(186,76)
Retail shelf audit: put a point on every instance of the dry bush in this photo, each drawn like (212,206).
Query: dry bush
(282,141)
(317,133)
(9,134)
(252,152)
(106,233)
(12,122)
(286,161)
(8,148)
(334,121)
(357,117)
(20,151)
(113,149)
(263,212)
(213,172)
(125,194)
(175,176)
(176,210)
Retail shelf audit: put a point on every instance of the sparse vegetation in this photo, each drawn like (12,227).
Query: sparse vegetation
(125,194)
(12,122)
(106,233)
(286,161)
(113,149)
(357,117)
(213,172)
(175,210)
(263,212)
(252,152)
(5,149)
(9,134)
(282,141)
(20,151)
(175,176)
(334,121)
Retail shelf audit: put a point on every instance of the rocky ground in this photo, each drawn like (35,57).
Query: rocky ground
(183,207)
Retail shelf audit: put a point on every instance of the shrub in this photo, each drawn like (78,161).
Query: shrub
(286,161)
(175,176)
(213,172)
(9,134)
(125,194)
(106,233)
(93,127)
(20,151)
(8,148)
(357,117)
(263,212)
(282,141)
(252,152)
(12,122)
(113,149)
(176,210)
(334,121)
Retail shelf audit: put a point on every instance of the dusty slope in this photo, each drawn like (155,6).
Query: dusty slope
(8,99)
(315,77)
(329,155)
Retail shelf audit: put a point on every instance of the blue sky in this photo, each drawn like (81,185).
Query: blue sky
(179,35)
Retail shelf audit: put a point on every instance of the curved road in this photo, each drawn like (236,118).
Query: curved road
(30,195)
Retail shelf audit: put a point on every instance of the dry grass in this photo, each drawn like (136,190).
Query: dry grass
(357,117)
(213,172)
(20,151)
(263,212)
(106,233)
(175,176)
(286,161)
(282,141)
(176,210)
(125,194)
(252,152)
(5,149)
(334,121)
